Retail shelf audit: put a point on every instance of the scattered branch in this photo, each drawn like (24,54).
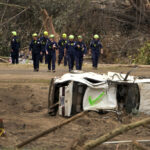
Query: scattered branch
(50,130)
(4,12)
(100,3)
(13,5)
(127,43)
(93,143)
(140,10)
(117,19)
(14,17)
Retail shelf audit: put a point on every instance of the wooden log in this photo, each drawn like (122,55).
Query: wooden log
(50,130)
(3,60)
(93,143)
(139,146)
(54,105)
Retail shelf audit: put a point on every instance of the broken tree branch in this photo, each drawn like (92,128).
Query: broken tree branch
(50,130)
(13,5)
(14,17)
(119,15)
(4,12)
(54,105)
(117,19)
(93,143)
(48,24)
(139,146)
(139,10)
(100,3)
(3,60)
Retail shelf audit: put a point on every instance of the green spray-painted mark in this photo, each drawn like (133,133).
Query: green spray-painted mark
(92,102)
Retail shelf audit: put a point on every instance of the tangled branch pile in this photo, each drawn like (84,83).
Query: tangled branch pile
(123,25)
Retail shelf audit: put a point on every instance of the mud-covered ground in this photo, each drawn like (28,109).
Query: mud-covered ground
(23,108)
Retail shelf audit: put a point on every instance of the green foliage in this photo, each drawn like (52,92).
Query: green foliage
(144,55)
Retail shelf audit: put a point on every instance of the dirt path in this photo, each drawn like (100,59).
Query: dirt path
(23,107)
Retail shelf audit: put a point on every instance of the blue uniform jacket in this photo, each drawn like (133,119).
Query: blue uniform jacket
(49,47)
(62,44)
(96,45)
(43,41)
(15,44)
(35,46)
(80,48)
(70,46)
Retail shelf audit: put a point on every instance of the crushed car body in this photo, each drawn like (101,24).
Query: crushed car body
(79,91)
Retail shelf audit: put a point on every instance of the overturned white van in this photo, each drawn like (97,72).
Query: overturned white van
(78,91)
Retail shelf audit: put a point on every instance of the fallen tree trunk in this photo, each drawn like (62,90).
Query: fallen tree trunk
(93,143)
(50,130)
(48,24)
(139,146)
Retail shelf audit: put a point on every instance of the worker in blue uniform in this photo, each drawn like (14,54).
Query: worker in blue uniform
(96,50)
(80,51)
(70,52)
(51,48)
(43,40)
(15,46)
(35,49)
(62,45)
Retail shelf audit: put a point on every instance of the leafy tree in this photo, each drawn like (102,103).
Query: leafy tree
(144,54)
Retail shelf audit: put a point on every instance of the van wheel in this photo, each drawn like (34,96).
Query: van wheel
(132,101)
